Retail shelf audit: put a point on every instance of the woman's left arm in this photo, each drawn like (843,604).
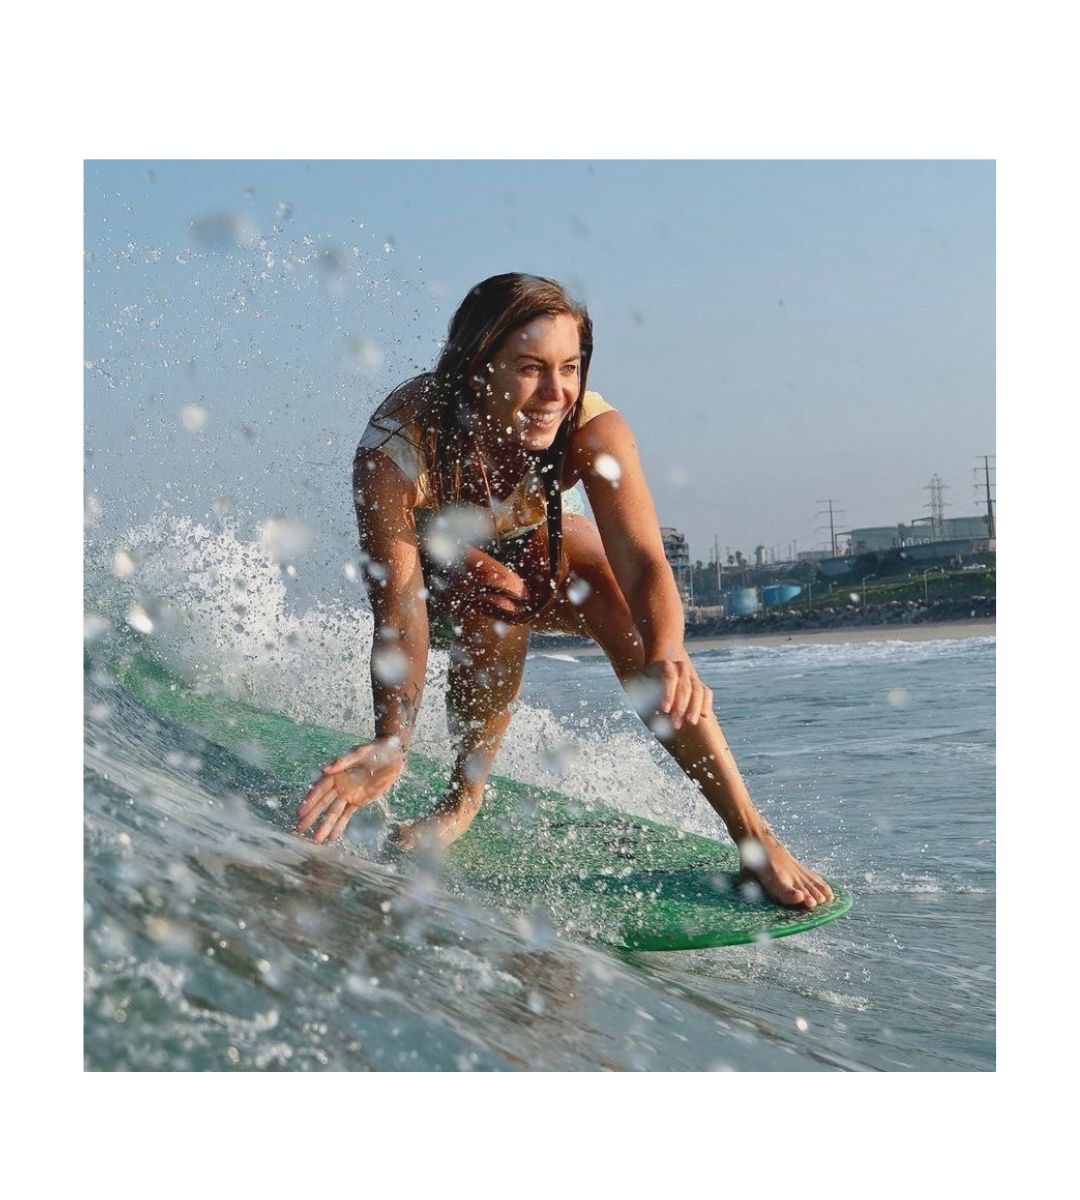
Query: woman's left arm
(604,456)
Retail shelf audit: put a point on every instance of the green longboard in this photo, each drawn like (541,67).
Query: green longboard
(597,873)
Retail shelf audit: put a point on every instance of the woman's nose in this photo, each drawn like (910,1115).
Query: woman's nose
(549,385)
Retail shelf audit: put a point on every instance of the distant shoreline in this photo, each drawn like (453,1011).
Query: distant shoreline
(924,631)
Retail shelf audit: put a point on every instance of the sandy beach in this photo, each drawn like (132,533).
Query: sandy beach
(925,632)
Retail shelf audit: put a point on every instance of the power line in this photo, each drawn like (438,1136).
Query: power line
(990,525)
(832,523)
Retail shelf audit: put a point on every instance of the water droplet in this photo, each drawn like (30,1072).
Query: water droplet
(644,693)
(607,468)
(389,665)
(578,591)
(223,228)
(253,753)
(123,564)
(753,853)
(138,618)
(557,757)
(193,418)
(92,510)
(801,1024)
(660,724)
(284,537)
(366,353)
(898,697)
(93,626)
(449,534)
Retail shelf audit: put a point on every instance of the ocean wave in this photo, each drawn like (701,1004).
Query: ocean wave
(214,609)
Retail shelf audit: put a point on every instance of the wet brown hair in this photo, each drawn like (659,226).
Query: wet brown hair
(488,315)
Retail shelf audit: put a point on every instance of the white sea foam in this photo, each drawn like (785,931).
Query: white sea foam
(224,622)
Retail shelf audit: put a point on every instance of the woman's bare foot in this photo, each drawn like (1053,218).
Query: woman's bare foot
(781,875)
(446,822)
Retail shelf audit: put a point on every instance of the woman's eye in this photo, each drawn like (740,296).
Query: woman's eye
(570,369)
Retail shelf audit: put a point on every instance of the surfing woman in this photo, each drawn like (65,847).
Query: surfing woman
(458,482)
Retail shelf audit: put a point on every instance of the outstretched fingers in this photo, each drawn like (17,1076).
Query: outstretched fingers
(334,814)
(317,798)
(342,821)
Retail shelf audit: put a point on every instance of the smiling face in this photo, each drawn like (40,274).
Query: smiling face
(532,383)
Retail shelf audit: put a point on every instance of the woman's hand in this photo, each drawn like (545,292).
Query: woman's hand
(683,697)
(349,783)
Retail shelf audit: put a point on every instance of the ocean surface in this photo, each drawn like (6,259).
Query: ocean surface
(217,940)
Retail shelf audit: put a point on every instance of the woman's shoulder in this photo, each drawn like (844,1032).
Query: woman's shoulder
(405,406)
(592,437)
(396,428)
(592,405)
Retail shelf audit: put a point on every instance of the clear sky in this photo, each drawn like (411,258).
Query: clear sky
(776,333)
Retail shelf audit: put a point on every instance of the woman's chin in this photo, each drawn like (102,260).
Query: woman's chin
(537,445)
(536,440)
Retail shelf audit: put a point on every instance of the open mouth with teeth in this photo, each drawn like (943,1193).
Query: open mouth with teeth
(541,420)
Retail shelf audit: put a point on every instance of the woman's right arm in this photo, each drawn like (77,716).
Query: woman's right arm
(385,500)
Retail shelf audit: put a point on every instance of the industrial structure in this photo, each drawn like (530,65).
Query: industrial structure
(923,539)
(677,552)
(900,537)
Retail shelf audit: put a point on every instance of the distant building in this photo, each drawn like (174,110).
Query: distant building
(677,552)
(897,537)
(877,537)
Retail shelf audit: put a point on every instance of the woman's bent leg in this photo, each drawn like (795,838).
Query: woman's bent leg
(487,660)
(701,750)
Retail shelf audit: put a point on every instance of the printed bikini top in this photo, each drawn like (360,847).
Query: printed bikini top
(520,512)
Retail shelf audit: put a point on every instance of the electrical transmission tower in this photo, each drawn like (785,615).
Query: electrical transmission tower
(936,507)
